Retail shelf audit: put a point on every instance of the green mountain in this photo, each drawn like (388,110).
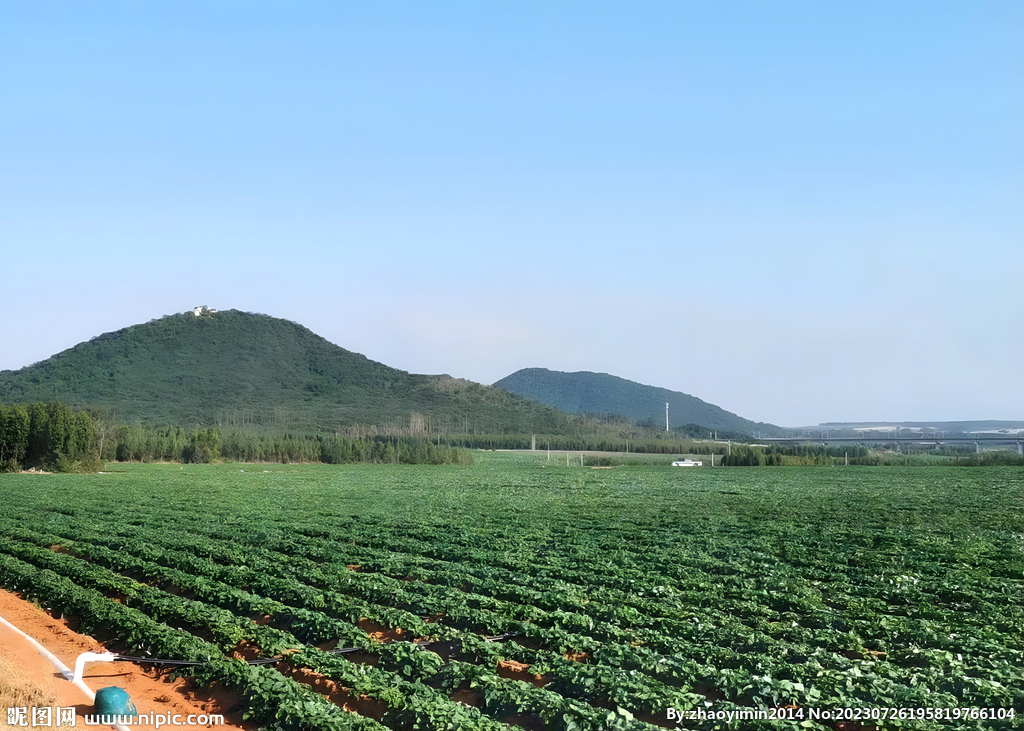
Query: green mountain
(605,394)
(235,368)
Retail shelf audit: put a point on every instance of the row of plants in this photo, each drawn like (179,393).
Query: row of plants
(410,705)
(271,698)
(311,626)
(474,608)
(615,594)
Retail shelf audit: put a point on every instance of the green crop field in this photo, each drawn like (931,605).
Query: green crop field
(634,594)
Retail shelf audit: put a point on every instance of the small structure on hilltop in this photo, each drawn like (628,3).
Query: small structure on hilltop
(203,310)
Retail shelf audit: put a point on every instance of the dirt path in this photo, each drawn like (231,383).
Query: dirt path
(28,679)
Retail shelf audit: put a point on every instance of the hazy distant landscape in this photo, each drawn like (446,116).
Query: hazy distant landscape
(232,368)
(206,384)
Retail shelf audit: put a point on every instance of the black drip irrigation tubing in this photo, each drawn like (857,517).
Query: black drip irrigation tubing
(161,661)
(272,660)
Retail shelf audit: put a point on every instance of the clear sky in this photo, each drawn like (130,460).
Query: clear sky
(800,211)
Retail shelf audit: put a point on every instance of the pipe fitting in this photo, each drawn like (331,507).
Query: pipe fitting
(90,657)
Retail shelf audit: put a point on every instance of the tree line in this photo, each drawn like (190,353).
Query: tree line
(802,455)
(140,443)
(48,435)
(56,438)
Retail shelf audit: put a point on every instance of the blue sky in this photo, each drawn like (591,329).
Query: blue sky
(799,211)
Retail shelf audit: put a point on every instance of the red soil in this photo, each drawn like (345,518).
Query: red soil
(150,690)
(380,632)
(519,671)
(335,692)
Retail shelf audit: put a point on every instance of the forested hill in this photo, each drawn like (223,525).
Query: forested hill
(235,369)
(602,393)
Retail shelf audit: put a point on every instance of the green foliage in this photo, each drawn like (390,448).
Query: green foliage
(740,455)
(48,435)
(990,459)
(722,590)
(600,393)
(15,424)
(803,455)
(139,443)
(202,447)
(241,370)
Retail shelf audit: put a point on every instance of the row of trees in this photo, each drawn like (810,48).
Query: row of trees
(51,436)
(743,455)
(175,444)
(56,438)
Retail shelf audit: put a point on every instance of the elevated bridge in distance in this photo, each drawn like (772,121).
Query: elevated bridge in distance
(930,441)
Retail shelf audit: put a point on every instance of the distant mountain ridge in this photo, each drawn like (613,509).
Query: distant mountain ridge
(236,368)
(585,391)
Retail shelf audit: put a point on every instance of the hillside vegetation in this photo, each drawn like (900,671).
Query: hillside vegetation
(237,369)
(588,392)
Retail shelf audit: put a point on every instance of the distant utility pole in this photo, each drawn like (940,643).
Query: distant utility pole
(666,416)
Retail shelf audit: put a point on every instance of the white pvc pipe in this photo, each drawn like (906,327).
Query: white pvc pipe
(90,657)
(76,677)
